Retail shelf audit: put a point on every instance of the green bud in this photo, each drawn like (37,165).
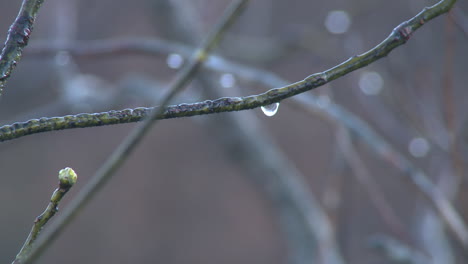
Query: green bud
(67,177)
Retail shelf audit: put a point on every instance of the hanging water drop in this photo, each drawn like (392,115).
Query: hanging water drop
(271,109)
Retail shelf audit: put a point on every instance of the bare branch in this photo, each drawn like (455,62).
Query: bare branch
(17,39)
(398,37)
(67,178)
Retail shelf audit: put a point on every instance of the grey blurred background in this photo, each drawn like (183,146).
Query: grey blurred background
(184,196)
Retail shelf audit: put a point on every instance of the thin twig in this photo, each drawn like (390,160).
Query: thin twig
(122,152)
(365,179)
(460,20)
(449,102)
(67,178)
(398,37)
(17,39)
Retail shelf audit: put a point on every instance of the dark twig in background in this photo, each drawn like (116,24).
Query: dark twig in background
(365,179)
(461,20)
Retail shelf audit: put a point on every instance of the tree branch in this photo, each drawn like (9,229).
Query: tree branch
(398,37)
(17,39)
(67,178)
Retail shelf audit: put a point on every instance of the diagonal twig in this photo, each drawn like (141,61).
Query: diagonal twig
(363,176)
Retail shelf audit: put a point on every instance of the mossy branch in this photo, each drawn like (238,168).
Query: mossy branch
(397,37)
(17,39)
(67,178)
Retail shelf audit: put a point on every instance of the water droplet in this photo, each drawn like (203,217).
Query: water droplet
(227,80)
(174,61)
(270,110)
(419,147)
(337,21)
(371,83)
